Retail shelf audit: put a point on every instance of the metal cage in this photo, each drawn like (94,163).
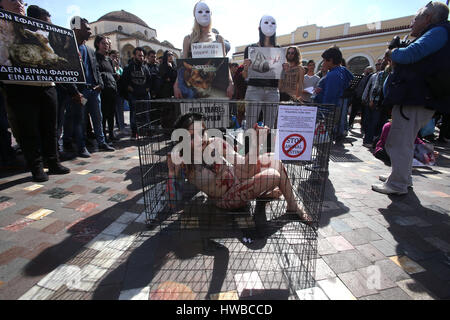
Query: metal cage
(255,229)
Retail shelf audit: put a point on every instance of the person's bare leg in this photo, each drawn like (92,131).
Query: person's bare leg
(269,161)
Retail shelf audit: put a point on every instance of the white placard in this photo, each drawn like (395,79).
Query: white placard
(267,63)
(296,126)
(216,114)
(207,50)
(310,90)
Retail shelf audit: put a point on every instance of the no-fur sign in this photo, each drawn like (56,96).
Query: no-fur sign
(296,125)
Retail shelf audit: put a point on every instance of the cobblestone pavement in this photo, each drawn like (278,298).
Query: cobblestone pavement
(83,236)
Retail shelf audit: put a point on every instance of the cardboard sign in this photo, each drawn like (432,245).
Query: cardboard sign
(34,51)
(203,78)
(296,128)
(267,63)
(216,114)
(207,50)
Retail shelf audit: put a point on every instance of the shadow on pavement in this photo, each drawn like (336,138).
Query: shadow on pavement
(422,233)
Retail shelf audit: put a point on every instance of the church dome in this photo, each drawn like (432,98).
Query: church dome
(123,16)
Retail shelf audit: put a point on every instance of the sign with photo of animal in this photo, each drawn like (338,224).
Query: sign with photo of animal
(267,63)
(203,78)
(34,51)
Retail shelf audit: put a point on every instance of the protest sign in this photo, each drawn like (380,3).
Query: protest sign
(34,51)
(267,63)
(207,50)
(216,114)
(203,78)
(296,129)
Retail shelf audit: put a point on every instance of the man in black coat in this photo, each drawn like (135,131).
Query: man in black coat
(85,98)
(137,81)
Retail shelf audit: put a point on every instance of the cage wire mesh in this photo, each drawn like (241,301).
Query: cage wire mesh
(247,218)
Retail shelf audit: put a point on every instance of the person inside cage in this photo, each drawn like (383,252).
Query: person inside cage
(231,183)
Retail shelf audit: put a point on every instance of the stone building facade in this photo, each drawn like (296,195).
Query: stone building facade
(127,31)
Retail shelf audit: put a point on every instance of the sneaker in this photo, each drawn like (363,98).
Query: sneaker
(58,169)
(84,153)
(384,189)
(106,147)
(39,175)
(385,178)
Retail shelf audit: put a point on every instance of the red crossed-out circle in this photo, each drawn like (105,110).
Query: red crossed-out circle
(292,151)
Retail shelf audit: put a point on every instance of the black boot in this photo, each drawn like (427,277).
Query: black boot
(39,175)
(58,169)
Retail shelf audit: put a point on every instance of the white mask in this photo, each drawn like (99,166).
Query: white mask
(202,14)
(268,26)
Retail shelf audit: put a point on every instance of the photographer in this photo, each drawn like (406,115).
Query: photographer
(416,89)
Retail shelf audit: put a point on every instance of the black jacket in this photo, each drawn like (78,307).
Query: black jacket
(156,79)
(138,77)
(107,72)
(74,89)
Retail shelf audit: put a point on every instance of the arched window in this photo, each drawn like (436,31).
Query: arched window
(357,64)
(120,28)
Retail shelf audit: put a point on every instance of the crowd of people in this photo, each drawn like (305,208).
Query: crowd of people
(48,120)
(41,115)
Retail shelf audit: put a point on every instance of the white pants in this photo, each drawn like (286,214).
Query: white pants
(400,143)
(262,94)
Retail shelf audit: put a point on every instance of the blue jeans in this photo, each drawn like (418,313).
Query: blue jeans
(132,102)
(343,123)
(119,113)
(372,117)
(76,117)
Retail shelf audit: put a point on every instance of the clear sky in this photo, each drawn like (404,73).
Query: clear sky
(236,20)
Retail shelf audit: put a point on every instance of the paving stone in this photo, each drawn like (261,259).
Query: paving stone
(315,293)
(340,243)
(385,247)
(354,238)
(339,226)
(100,190)
(12,269)
(135,294)
(37,293)
(11,254)
(354,223)
(346,261)
(415,290)
(407,264)
(370,252)
(375,278)
(114,229)
(368,234)
(357,284)
(335,289)
(328,231)
(393,271)
(325,247)
(127,218)
(323,271)
(118,197)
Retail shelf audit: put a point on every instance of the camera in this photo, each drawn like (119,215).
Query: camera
(397,43)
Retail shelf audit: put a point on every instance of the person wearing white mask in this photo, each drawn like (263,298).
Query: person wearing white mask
(262,89)
(202,32)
